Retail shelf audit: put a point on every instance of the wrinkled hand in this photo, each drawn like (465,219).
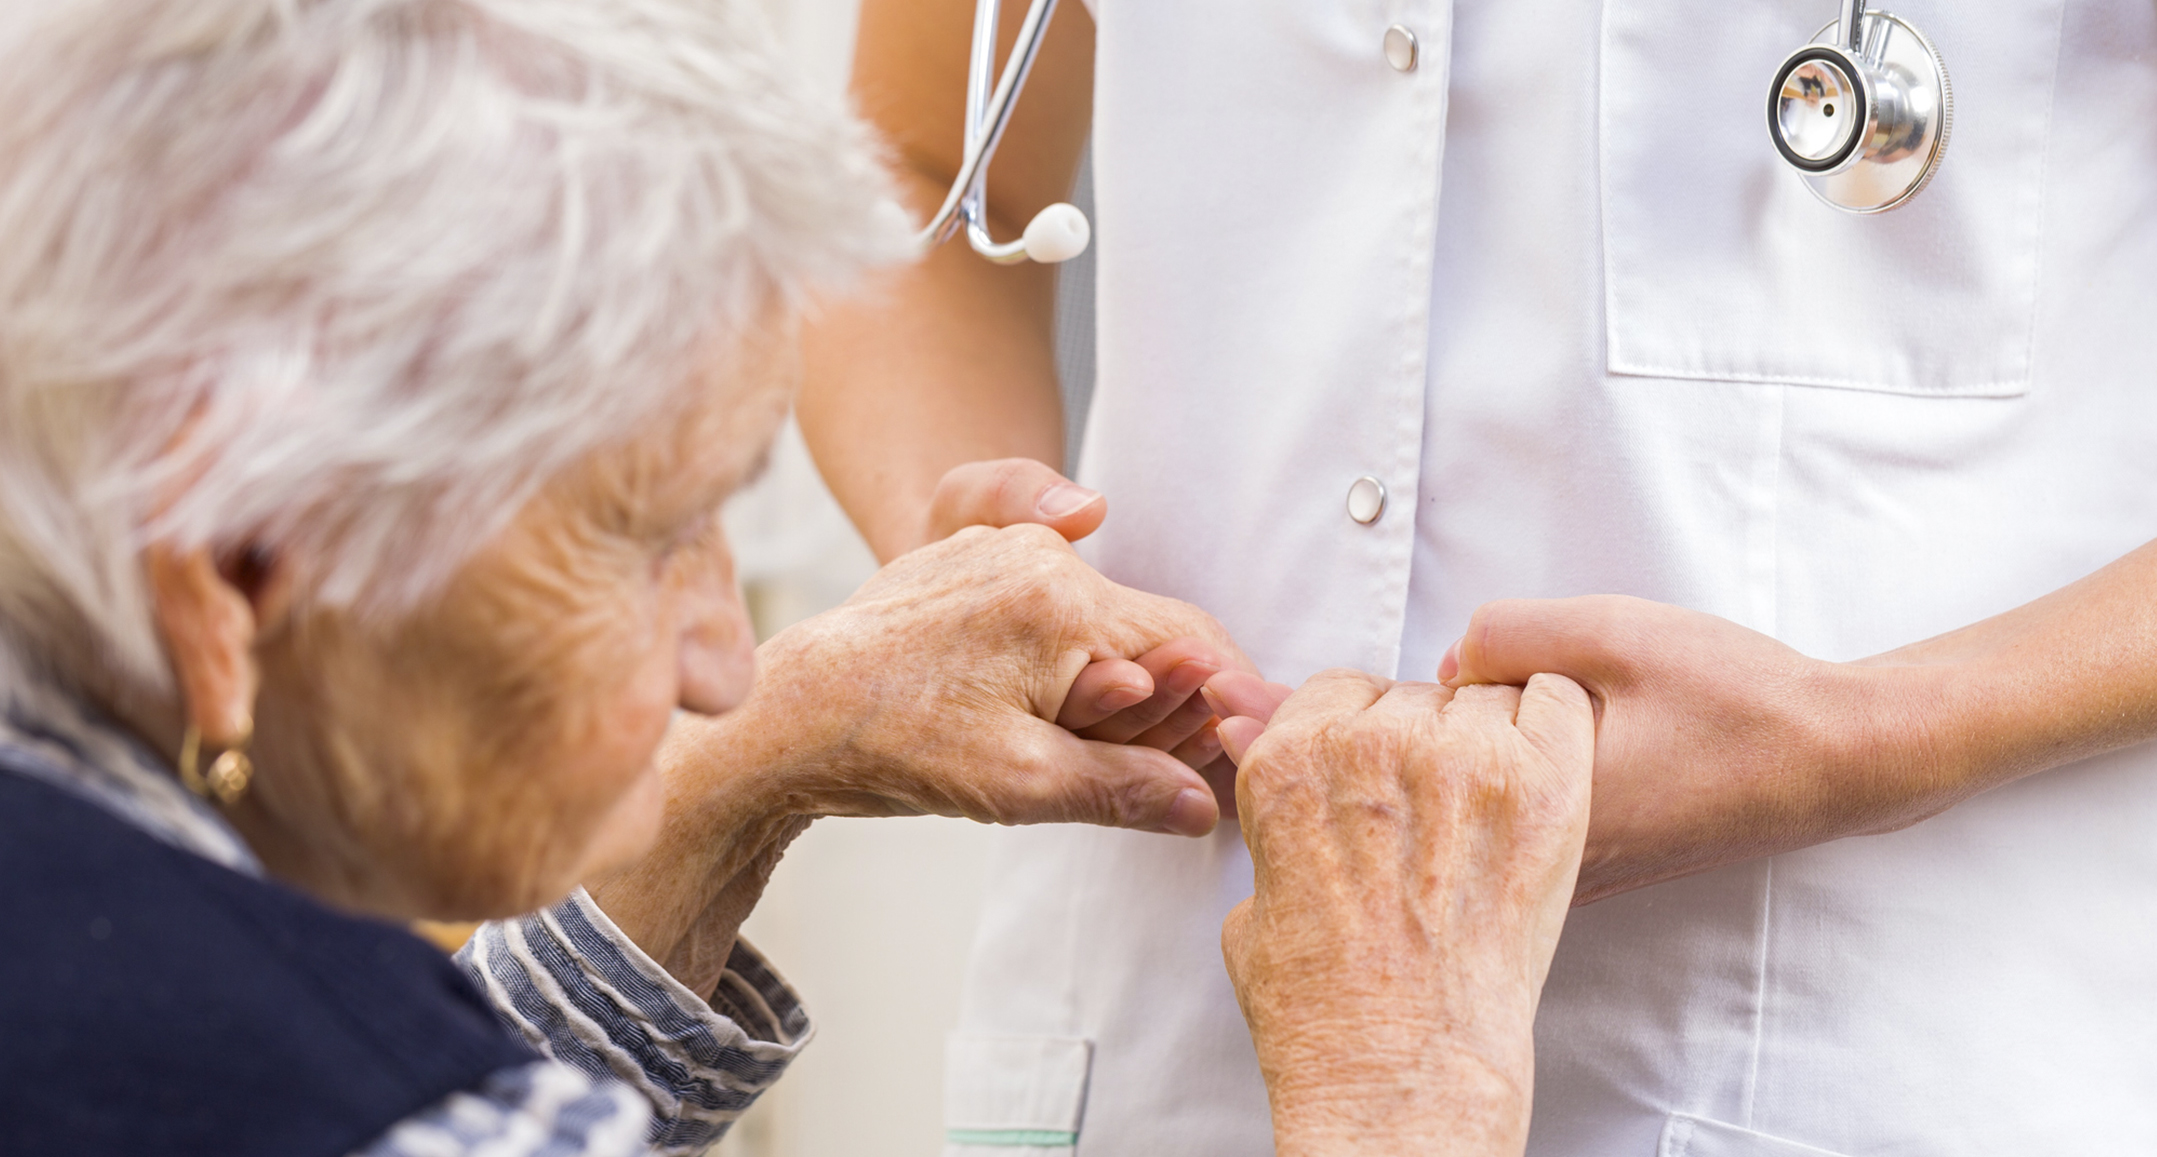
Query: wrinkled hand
(1414,852)
(1149,699)
(1715,744)
(933,690)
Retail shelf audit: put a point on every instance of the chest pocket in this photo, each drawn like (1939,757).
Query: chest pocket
(1720,264)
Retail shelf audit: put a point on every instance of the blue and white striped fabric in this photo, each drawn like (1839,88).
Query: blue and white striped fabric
(581,993)
(639,1066)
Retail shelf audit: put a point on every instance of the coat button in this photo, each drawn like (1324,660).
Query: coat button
(1366,500)
(1401,48)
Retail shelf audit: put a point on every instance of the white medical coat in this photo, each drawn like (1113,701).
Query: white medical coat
(1555,289)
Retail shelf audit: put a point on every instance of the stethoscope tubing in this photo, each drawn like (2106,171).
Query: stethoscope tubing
(988,114)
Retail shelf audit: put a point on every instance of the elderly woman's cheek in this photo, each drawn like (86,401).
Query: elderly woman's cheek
(618,794)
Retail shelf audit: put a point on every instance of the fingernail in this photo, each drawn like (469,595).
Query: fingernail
(1065,498)
(1192,814)
(1220,709)
(1450,665)
(1208,746)
(1117,698)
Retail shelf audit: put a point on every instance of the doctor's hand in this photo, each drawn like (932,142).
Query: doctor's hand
(1714,744)
(1414,851)
(1152,699)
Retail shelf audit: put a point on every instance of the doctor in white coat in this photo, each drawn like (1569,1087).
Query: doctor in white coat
(1535,311)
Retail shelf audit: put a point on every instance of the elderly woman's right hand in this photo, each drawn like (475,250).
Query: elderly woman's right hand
(934,690)
(1415,850)
(936,687)
(1150,699)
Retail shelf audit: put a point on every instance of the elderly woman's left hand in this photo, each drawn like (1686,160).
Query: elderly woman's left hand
(932,691)
(1413,849)
(1151,699)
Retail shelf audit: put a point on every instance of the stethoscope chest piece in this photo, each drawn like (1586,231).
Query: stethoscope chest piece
(1863,112)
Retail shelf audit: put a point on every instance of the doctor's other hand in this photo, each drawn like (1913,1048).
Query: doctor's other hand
(1150,699)
(1714,744)
(1414,850)
(1010,491)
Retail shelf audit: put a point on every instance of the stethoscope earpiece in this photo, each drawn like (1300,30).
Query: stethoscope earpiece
(1863,112)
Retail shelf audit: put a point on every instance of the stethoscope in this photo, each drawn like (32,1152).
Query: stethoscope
(1057,233)
(1864,111)
(1863,114)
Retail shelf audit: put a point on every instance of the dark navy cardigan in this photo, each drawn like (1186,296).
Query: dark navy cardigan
(153,1002)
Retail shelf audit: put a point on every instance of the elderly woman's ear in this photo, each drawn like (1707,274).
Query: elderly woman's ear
(210,616)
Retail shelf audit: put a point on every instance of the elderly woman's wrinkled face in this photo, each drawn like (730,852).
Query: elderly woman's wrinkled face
(485,755)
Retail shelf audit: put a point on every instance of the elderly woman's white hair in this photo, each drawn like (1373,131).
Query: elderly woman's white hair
(273,271)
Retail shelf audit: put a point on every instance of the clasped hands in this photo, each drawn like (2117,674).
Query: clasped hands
(1715,744)
(1415,845)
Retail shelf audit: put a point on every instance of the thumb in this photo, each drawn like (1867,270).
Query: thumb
(1011,491)
(1510,640)
(1556,719)
(1120,786)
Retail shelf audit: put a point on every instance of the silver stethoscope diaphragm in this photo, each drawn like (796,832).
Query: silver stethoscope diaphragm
(1863,112)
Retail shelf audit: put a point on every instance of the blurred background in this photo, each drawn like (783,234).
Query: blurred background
(870,919)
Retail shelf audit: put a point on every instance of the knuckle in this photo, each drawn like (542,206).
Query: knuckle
(1277,765)
(1010,484)
(1236,940)
(972,537)
(1032,536)
(956,490)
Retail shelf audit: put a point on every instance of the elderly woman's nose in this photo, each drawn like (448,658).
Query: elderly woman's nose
(718,643)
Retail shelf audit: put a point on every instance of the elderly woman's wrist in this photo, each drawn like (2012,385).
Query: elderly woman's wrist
(1462,1109)
(805,716)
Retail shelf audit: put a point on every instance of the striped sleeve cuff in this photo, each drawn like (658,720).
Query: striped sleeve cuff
(573,985)
(543,1109)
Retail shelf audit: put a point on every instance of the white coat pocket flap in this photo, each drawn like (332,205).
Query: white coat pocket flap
(1013,1094)
(1719,263)
(1689,1136)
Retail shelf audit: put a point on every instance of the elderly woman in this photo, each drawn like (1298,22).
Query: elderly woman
(370,374)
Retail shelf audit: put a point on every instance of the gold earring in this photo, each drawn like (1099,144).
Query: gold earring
(229,773)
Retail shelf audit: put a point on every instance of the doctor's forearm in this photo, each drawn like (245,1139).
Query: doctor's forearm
(951,360)
(2068,676)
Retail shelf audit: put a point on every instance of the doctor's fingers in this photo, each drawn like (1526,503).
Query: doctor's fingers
(1011,491)
(1102,689)
(1244,703)
(1173,673)
(1234,692)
